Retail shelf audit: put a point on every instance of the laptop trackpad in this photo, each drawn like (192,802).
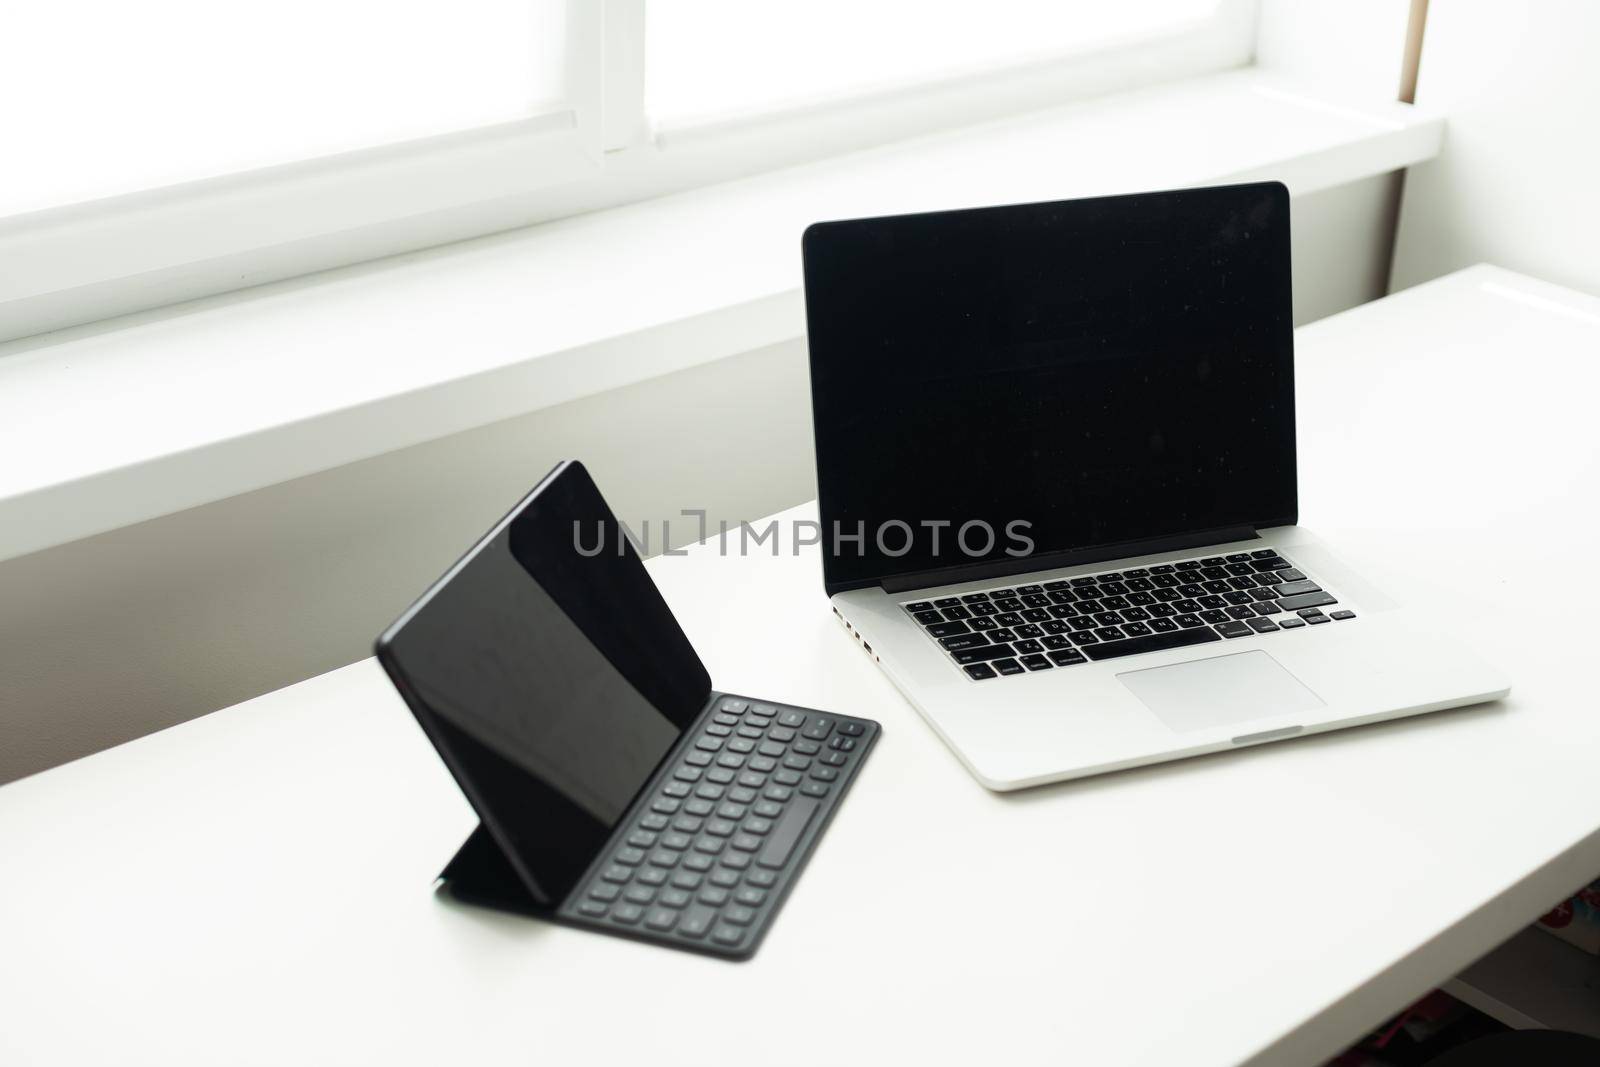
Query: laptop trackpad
(1206,693)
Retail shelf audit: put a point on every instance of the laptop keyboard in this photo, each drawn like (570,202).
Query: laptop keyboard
(1019,629)
(711,848)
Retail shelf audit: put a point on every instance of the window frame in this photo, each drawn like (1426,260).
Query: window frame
(86,262)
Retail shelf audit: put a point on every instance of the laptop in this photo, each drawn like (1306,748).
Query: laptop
(617,791)
(1056,473)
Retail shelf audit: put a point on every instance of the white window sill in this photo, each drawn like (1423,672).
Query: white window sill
(110,424)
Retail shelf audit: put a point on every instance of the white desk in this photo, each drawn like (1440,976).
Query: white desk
(253,887)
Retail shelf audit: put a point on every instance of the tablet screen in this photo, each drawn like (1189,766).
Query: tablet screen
(552,676)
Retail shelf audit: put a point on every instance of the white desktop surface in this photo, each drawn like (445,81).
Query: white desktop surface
(253,887)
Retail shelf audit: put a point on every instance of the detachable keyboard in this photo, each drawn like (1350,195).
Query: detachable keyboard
(1015,630)
(708,852)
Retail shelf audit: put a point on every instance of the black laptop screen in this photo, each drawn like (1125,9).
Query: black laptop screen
(1049,377)
(552,676)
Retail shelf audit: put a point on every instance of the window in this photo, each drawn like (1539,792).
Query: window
(169,91)
(718,60)
(176,148)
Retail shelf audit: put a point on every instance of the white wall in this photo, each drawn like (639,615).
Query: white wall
(130,631)
(1518,182)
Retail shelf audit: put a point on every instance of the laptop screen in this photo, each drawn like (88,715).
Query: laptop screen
(552,677)
(1002,383)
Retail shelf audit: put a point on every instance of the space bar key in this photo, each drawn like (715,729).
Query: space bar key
(787,832)
(1154,643)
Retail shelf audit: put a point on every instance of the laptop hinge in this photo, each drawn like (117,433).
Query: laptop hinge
(999,568)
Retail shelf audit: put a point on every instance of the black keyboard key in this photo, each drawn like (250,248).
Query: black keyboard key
(1007,666)
(1341,615)
(1136,629)
(1188,565)
(948,629)
(1264,553)
(1088,606)
(1163,626)
(1113,602)
(1154,643)
(1234,629)
(921,605)
(996,594)
(1028,648)
(1268,608)
(982,655)
(1002,635)
(979,671)
(1240,569)
(961,641)
(1188,606)
(928,617)
(947,602)
(1263,626)
(957,613)
(1188,622)
(1029,630)
(983,625)
(1008,603)
(1036,615)
(983,609)
(1165,568)
(1084,637)
(1055,641)
(1108,633)
(973,598)
(1316,619)
(1137,572)
(1009,618)
(1291,623)
(1067,657)
(1296,588)
(696,922)
(1305,600)
(1079,583)
(1036,663)
(1237,557)
(1291,575)
(1214,616)
(1212,561)
(781,842)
